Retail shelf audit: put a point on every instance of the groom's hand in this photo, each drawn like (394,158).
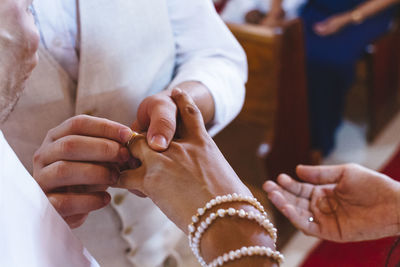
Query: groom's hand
(76,163)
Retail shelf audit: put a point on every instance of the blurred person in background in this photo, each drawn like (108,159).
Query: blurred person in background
(337,34)
(253,11)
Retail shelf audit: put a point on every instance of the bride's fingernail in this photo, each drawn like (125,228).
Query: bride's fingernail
(176,91)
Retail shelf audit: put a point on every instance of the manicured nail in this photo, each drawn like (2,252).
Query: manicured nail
(159,141)
(125,135)
(176,91)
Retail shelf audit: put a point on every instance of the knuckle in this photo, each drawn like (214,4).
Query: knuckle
(166,124)
(192,109)
(351,167)
(37,157)
(67,146)
(109,149)
(61,169)
(50,134)
(76,123)
(177,148)
(59,203)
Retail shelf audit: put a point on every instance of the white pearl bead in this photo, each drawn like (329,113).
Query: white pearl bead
(195,219)
(201,211)
(221,213)
(229,197)
(250,251)
(220,261)
(242,213)
(231,211)
(232,255)
(244,250)
(208,221)
(234,195)
(225,257)
(208,206)
(213,216)
(213,202)
(204,225)
(268,252)
(238,253)
(191,228)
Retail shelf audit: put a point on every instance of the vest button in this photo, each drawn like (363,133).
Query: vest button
(89,112)
(118,199)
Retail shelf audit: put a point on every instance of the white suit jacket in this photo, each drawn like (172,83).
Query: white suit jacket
(32,233)
(127,52)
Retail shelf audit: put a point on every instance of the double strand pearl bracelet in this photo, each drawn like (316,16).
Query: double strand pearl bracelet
(260,219)
(247,251)
(224,199)
(196,234)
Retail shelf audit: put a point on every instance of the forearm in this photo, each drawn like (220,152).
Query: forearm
(370,8)
(276,8)
(202,97)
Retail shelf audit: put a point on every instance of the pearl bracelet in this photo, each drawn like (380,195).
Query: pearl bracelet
(247,251)
(194,242)
(225,199)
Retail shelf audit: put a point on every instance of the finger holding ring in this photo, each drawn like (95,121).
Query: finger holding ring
(132,140)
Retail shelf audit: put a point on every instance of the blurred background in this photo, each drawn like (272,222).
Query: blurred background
(323,88)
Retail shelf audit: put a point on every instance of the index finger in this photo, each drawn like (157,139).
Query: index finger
(192,119)
(320,174)
(91,126)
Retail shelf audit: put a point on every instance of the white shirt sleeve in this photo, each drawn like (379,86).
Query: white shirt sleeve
(31,231)
(207,52)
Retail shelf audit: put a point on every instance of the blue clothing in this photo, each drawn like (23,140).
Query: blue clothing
(331,64)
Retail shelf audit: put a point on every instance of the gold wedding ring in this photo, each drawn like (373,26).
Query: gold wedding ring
(132,140)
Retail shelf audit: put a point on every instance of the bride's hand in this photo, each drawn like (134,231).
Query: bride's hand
(186,176)
(346,202)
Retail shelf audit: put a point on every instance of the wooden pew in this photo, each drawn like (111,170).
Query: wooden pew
(383,68)
(272,131)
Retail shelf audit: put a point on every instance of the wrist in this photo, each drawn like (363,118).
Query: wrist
(231,233)
(356,17)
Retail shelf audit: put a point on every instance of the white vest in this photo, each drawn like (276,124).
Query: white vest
(121,63)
